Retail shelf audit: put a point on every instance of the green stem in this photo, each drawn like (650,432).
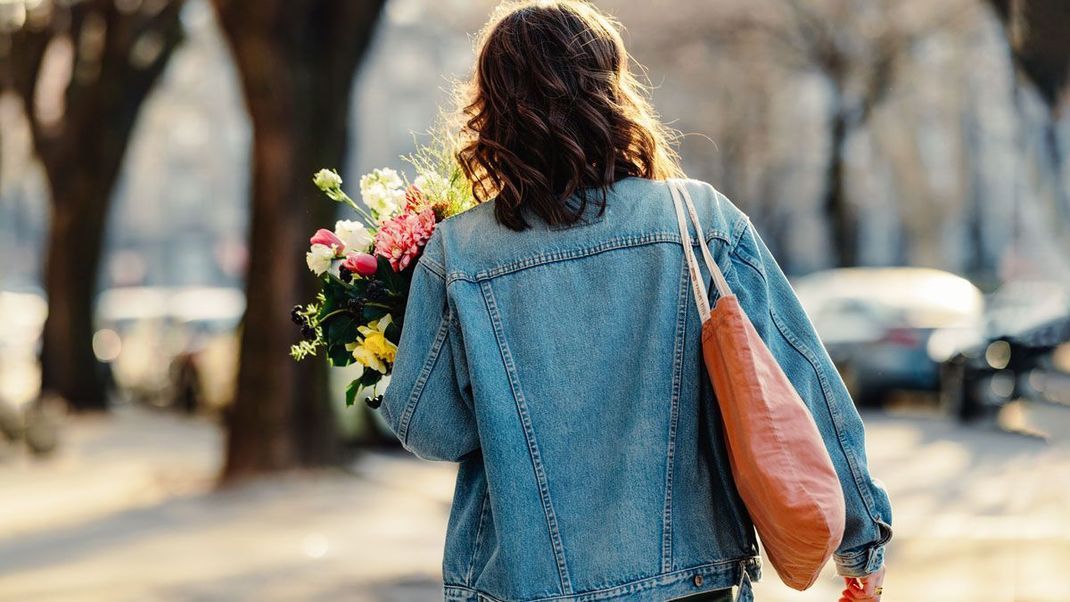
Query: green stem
(342,311)
(368,219)
(332,314)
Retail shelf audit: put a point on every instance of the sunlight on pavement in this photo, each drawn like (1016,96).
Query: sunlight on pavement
(125,511)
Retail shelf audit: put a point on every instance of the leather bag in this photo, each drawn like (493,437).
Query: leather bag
(779,462)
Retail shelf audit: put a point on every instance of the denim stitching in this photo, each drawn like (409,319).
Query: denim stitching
(529,436)
(741,254)
(851,558)
(584,221)
(620,242)
(837,417)
(421,381)
(826,389)
(460,361)
(384,409)
(432,266)
(740,230)
(679,344)
(632,587)
(479,536)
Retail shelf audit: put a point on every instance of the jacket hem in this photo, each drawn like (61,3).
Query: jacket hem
(665,586)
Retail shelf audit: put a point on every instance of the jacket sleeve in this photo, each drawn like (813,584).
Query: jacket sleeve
(774,309)
(427,403)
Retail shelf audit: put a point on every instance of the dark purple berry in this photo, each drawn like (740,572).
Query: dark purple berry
(295,315)
(376,290)
(308,332)
(355,305)
(374,402)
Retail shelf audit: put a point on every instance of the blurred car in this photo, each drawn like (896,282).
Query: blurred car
(1023,350)
(143,331)
(877,322)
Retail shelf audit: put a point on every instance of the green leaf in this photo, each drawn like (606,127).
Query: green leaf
(341,328)
(370,377)
(393,331)
(351,392)
(335,295)
(372,313)
(339,355)
(384,271)
(337,332)
(396,282)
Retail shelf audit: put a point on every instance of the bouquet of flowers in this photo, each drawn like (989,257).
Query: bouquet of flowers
(366,264)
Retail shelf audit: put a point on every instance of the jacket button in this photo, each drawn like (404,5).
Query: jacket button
(697,580)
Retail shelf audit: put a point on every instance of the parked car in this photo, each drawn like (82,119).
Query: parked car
(877,322)
(1024,350)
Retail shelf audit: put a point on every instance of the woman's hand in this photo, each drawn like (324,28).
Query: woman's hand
(864,589)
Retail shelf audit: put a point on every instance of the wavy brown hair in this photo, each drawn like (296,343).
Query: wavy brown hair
(553,111)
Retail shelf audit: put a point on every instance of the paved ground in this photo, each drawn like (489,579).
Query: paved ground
(124,512)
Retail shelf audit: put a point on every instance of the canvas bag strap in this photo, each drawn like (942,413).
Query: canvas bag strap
(680,197)
(698,288)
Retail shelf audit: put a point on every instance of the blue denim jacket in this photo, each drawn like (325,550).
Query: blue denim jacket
(561,366)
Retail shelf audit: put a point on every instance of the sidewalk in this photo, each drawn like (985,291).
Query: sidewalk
(125,512)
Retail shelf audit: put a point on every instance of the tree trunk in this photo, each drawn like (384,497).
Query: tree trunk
(838,211)
(1036,35)
(69,367)
(296,60)
(81,151)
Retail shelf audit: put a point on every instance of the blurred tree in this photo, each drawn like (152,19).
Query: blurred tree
(83,70)
(857,47)
(1037,32)
(296,60)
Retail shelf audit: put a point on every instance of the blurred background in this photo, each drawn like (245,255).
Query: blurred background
(906,160)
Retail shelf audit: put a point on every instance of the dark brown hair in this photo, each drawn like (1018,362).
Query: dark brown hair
(553,110)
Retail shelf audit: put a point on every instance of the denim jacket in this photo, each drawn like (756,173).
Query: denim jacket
(561,367)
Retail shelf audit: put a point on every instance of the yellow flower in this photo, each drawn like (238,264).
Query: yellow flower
(382,348)
(366,358)
(374,350)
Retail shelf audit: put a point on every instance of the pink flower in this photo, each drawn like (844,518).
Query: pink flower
(327,238)
(414,198)
(400,238)
(361,263)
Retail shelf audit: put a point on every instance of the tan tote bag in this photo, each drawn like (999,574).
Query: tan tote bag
(779,462)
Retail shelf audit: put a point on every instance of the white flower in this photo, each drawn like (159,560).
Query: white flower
(354,235)
(383,192)
(319,258)
(432,184)
(386,176)
(384,202)
(327,180)
(434,187)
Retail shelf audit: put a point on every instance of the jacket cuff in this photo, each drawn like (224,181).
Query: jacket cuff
(860,563)
(867,559)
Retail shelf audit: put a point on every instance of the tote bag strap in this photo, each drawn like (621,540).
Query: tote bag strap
(681,196)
